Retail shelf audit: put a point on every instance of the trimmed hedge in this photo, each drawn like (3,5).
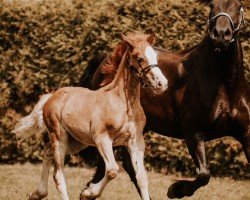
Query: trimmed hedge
(46,44)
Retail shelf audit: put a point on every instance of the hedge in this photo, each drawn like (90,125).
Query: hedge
(46,44)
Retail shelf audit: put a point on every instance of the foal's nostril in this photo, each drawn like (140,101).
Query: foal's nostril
(159,84)
(215,32)
(227,32)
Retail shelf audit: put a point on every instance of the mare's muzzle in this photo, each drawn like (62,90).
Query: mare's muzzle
(222,29)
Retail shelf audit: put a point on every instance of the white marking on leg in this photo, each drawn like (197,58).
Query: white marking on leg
(59,150)
(60,183)
(43,186)
(42,190)
(136,151)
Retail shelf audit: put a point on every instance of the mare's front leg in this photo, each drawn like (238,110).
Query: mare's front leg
(196,147)
(245,142)
(104,145)
(136,148)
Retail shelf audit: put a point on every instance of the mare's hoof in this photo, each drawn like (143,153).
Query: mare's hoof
(36,196)
(84,198)
(180,189)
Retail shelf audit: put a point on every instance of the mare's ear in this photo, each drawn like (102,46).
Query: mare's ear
(127,41)
(151,38)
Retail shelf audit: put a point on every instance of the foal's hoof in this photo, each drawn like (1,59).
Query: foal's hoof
(87,194)
(180,189)
(112,173)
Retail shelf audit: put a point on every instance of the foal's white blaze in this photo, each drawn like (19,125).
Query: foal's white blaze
(158,75)
(151,55)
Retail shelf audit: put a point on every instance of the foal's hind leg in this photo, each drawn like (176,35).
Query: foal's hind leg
(196,147)
(104,145)
(42,190)
(128,167)
(59,147)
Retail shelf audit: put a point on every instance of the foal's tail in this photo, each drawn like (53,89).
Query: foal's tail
(33,123)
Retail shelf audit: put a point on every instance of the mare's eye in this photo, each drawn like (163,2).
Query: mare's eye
(140,60)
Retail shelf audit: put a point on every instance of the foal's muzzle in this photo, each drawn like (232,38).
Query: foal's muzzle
(155,79)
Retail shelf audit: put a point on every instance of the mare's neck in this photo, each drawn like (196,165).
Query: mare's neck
(227,63)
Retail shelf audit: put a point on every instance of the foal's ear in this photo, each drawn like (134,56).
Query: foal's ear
(151,38)
(127,41)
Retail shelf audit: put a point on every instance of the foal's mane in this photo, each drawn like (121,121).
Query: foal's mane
(110,65)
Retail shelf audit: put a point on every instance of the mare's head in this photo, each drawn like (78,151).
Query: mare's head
(143,61)
(225,19)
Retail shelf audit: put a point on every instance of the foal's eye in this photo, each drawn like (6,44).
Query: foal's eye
(240,9)
(211,5)
(140,60)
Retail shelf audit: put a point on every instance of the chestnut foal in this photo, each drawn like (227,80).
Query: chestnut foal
(77,117)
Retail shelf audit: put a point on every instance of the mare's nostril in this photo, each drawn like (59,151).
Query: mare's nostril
(215,32)
(227,32)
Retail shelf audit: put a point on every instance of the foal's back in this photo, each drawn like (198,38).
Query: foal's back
(84,113)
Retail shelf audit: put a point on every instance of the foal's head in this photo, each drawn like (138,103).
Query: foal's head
(224,21)
(143,61)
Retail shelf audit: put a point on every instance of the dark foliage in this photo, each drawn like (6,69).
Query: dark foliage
(46,45)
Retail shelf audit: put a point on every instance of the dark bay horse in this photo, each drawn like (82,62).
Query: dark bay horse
(208,95)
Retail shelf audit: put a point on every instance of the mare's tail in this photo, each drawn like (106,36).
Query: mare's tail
(93,64)
(33,123)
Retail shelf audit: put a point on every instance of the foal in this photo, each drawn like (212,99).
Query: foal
(78,117)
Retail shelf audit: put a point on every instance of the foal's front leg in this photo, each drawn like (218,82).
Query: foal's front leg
(136,148)
(196,147)
(104,145)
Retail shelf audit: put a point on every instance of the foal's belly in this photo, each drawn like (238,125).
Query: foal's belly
(92,119)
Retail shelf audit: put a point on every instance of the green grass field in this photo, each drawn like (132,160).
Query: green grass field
(18,181)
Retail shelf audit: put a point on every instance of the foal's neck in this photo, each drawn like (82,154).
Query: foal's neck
(125,84)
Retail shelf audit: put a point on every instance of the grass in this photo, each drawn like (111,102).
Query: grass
(18,181)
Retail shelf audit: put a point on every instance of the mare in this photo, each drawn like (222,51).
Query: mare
(77,117)
(208,95)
